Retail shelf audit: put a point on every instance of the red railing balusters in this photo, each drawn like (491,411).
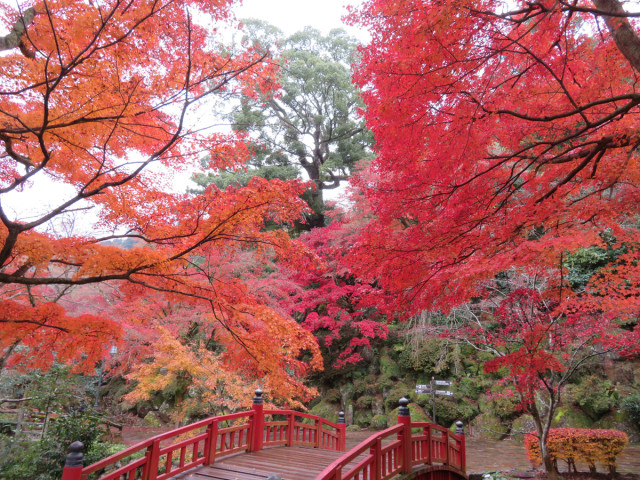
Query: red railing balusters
(214,441)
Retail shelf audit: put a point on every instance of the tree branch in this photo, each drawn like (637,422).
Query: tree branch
(621,30)
(14,38)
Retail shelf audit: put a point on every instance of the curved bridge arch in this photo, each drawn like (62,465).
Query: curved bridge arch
(408,450)
(436,472)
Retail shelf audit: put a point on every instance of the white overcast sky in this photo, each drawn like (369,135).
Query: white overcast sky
(293,15)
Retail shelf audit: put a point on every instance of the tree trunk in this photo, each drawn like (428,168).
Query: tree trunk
(621,30)
(550,466)
(315,197)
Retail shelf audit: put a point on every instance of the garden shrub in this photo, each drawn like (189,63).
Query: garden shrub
(326,410)
(379,422)
(393,397)
(473,387)
(579,444)
(44,459)
(631,407)
(595,396)
(364,402)
(568,417)
(389,368)
(521,427)
(333,395)
(490,427)
(504,405)
(362,418)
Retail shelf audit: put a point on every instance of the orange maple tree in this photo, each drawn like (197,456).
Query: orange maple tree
(100,97)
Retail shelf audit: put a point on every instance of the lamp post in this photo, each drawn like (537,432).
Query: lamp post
(113,351)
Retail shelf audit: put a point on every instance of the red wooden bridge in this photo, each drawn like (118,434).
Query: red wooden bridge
(234,447)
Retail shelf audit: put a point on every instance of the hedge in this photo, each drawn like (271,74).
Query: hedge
(579,444)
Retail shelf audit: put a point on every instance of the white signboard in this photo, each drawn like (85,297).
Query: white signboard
(444,392)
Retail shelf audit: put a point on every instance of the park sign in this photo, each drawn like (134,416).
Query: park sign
(423,389)
(444,392)
(431,389)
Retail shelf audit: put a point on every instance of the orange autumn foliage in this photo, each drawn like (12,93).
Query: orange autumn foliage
(46,334)
(98,103)
(579,445)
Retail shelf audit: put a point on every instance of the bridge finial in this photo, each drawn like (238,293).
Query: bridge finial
(459,428)
(403,410)
(74,457)
(257,400)
(341,418)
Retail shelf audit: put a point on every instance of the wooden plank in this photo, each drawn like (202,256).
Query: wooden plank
(292,463)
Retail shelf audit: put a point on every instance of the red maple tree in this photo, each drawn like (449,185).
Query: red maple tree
(506,135)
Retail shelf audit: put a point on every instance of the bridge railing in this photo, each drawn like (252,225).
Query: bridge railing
(168,454)
(398,449)
(436,444)
(302,429)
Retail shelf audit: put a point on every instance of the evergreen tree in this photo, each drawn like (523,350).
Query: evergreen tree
(309,127)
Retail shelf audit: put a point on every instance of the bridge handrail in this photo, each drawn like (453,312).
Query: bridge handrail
(156,462)
(321,434)
(152,451)
(432,445)
(374,445)
(427,449)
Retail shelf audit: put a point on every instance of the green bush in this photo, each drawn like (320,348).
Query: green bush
(472,387)
(631,407)
(571,418)
(490,427)
(393,397)
(44,459)
(389,368)
(364,402)
(379,422)
(449,411)
(506,407)
(431,357)
(333,395)
(595,396)
(362,418)
(326,410)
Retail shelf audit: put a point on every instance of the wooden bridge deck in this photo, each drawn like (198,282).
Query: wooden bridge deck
(291,463)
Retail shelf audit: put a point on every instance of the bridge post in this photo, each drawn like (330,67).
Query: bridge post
(463,450)
(153,461)
(342,432)
(258,422)
(211,444)
(404,418)
(73,464)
